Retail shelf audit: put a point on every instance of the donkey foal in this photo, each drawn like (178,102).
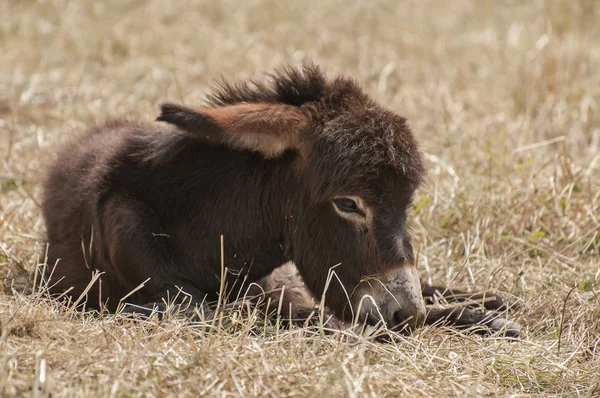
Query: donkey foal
(300,169)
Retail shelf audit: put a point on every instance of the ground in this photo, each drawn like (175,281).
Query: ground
(503,96)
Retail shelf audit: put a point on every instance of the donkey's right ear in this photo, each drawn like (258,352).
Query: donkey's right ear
(267,128)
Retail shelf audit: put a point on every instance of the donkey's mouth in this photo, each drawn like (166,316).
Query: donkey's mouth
(394,298)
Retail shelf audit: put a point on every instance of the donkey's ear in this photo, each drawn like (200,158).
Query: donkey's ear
(270,129)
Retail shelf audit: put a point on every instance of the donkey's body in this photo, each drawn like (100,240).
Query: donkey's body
(305,170)
(132,204)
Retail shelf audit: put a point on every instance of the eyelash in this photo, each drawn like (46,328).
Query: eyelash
(350,206)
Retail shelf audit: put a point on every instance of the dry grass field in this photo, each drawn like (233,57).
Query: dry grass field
(505,100)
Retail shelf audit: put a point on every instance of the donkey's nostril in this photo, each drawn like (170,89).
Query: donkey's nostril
(398,318)
(402,318)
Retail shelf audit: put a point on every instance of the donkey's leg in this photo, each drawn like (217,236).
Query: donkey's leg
(467,318)
(286,290)
(185,303)
(492,301)
(139,252)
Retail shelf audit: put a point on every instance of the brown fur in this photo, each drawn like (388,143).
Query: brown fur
(260,166)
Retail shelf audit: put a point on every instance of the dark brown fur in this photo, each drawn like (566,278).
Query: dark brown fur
(260,166)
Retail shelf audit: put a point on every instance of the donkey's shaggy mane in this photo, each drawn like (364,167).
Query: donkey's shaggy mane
(292,86)
(370,135)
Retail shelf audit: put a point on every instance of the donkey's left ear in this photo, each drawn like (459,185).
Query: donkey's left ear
(270,129)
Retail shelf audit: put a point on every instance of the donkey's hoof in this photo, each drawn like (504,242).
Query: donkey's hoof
(505,327)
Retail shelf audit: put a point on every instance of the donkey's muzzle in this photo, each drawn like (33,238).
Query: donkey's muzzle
(394,297)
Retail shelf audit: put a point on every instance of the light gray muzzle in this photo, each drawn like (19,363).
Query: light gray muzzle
(394,297)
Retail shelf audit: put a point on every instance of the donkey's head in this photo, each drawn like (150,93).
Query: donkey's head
(353,168)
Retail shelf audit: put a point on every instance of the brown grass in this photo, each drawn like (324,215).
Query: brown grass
(505,98)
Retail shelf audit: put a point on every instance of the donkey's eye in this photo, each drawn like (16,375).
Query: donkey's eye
(347,205)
